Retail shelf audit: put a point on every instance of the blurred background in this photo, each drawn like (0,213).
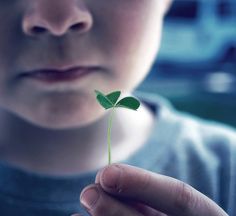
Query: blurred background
(196,66)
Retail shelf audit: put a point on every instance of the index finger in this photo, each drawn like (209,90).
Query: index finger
(160,192)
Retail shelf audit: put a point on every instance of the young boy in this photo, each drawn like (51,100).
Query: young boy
(53,131)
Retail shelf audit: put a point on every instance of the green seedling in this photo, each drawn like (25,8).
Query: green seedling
(110,102)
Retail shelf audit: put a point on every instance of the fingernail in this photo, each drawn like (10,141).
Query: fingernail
(97,179)
(111,176)
(89,197)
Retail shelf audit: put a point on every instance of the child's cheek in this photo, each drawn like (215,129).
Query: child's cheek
(130,34)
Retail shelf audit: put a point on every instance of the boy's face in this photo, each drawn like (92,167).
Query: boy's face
(121,36)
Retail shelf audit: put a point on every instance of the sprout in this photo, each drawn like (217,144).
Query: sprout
(110,101)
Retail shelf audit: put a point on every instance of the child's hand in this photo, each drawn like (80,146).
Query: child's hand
(122,195)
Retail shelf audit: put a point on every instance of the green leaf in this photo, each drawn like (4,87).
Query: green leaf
(113,96)
(129,102)
(103,100)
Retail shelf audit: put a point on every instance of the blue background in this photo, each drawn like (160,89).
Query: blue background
(196,65)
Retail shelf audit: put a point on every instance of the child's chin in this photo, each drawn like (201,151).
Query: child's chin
(62,122)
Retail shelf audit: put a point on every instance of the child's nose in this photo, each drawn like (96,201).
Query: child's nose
(56,17)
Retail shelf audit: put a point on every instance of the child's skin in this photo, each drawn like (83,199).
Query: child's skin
(62,129)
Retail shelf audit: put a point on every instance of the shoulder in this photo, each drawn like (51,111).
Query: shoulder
(213,135)
(188,126)
(205,142)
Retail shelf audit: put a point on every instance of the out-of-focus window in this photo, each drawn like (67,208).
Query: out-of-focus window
(224,8)
(196,64)
(183,10)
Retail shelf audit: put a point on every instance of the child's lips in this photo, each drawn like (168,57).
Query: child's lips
(52,76)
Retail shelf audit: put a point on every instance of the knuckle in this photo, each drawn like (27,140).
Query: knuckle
(185,200)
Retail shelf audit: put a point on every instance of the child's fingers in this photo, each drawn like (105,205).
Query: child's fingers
(160,192)
(97,202)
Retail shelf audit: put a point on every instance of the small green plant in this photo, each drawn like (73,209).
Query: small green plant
(110,102)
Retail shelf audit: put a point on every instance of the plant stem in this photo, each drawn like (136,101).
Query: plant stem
(109,135)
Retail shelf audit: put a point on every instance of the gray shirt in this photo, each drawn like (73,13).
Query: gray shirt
(199,152)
